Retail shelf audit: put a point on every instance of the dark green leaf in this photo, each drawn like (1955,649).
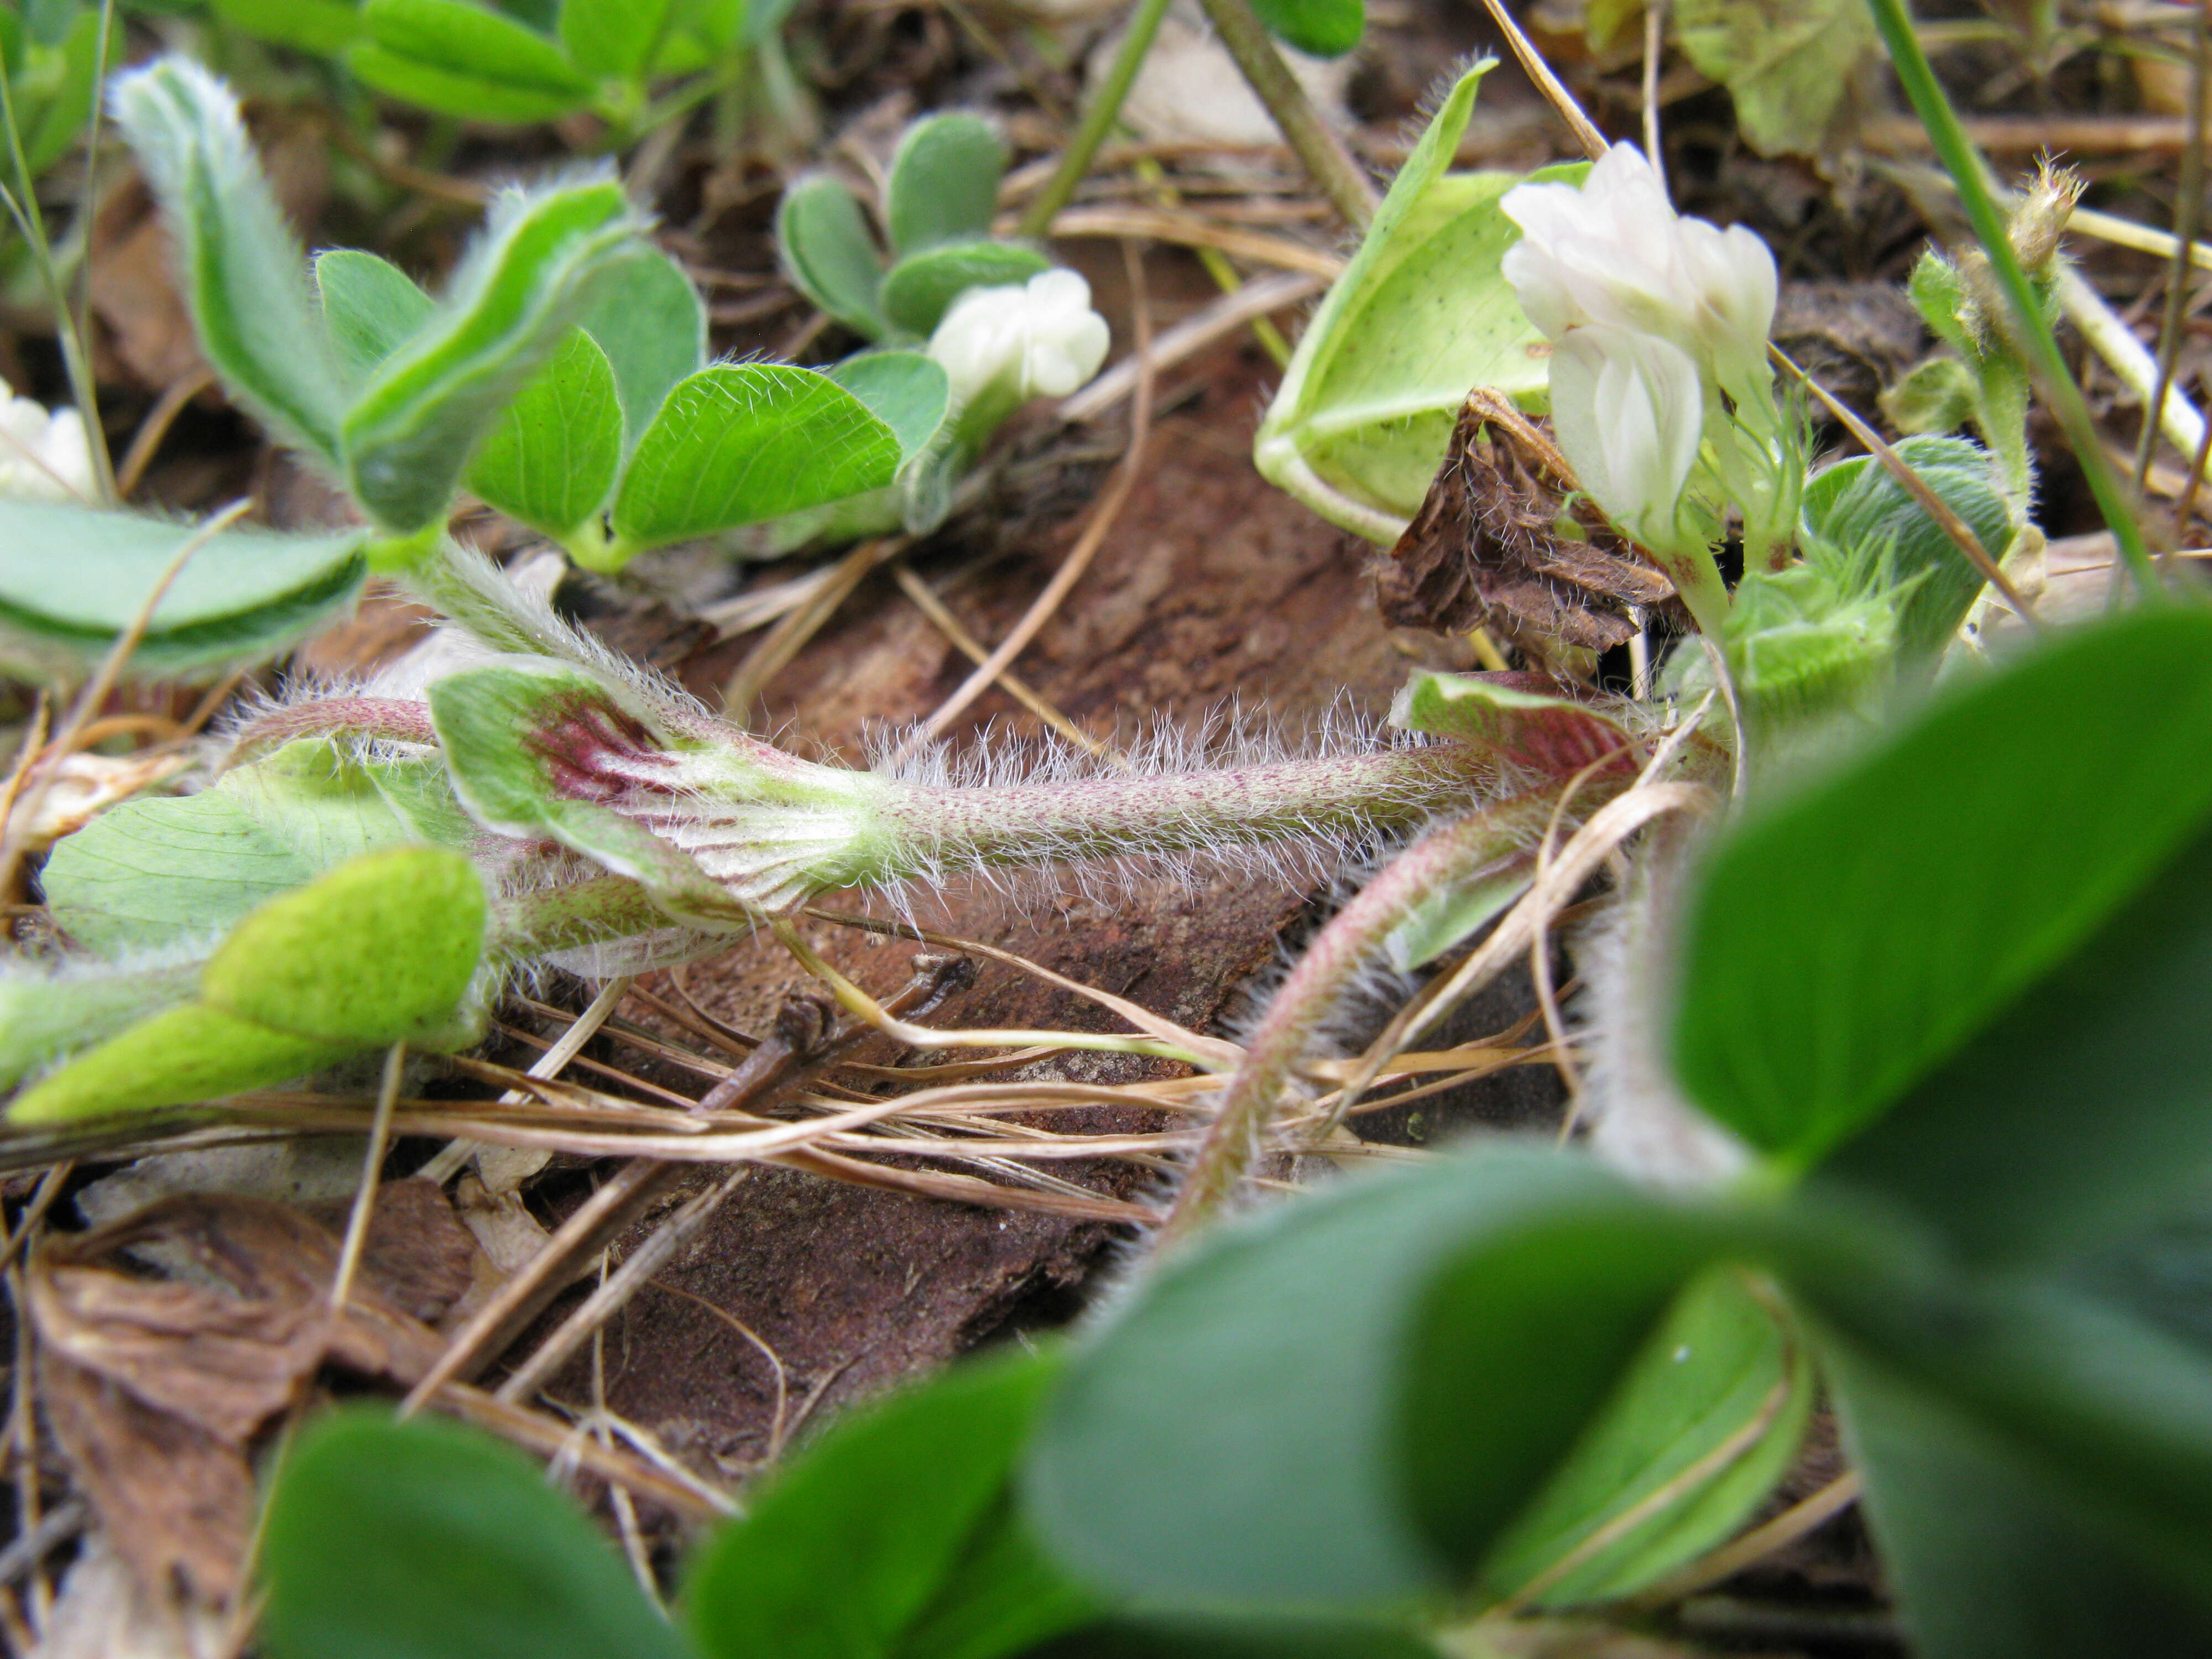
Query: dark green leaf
(828,254)
(1992,1552)
(740,443)
(1290,1420)
(371,306)
(2085,1110)
(549,460)
(1327,29)
(72,579)
(647,318)
(416,424)
(1852,938)
(241,269)
(425,1540)
(920,287)
(945,182)
(904,389)
(465,60)
(892,1536)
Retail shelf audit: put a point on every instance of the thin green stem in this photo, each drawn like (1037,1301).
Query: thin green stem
(2033,328)
(75,362)
(1099,116)
(1311,139)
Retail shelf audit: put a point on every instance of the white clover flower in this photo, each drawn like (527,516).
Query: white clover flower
(1628,411)
(1037,340)
(1613,252)
(43,457)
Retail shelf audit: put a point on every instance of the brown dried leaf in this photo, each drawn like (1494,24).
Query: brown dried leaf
(167,1341)
(1485,551)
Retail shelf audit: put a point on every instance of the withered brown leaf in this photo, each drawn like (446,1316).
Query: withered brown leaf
(1485,551)
(169,1340)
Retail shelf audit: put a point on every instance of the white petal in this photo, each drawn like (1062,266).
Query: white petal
(1628,411)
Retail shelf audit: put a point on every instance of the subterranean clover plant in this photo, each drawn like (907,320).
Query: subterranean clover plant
(1893,1099)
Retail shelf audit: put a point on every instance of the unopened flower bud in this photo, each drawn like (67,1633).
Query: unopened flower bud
(1012,344)
(2038,224)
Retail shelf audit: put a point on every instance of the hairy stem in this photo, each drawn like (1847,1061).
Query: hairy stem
(1328,796)
(1449,855)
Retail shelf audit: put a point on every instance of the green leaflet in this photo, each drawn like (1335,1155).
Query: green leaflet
(1516,718)
(1327,29)
(292,990)
(943,182)
(920,287)
(72,579)
(825,249)
(904,389)
(614,38)
(239,266)
(1856,936)
(1365,413)
(412,430)
(1857,507)
(426,1540)
(743,442)
(905,1509)
(2058,1171)
(1231,1441)
(1788,63)
(163,870)
(550,460)
(43,1017)
(370,305)
(647,318)
(465,60)
(324,26)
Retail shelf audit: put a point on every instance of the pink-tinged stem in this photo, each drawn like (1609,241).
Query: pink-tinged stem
(354,717)
(1483,843)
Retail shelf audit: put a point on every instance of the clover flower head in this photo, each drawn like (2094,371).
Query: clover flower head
(1613,252)
(1040,339)
(44,456)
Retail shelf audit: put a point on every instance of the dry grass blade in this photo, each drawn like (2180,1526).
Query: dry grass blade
(1187,339)
(1217,1050)
(789,636)
(1755,1545)
(1191,230)
(941,617)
